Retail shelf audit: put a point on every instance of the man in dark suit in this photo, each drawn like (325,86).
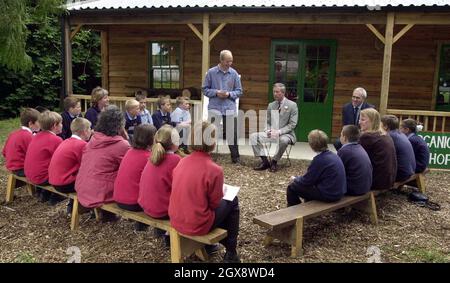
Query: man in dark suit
(351,110)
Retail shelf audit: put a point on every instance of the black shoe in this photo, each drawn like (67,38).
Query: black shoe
(273,166)
(236,160)
(167,241)
(138,226)
(212,249)
(44,196)
(231,258)
(262,166)
(55,199)
(159,232)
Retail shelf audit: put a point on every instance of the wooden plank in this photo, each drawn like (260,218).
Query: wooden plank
(287,216)
(212,237)
(75,220)
(105,59)
(75,31)
(196,31)
(387,63)
(424,18)
(376,32)
(11,185)
(216,31)
(418,112)
(205,52)
(402,32)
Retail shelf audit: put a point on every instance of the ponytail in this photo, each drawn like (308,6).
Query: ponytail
(158,153)
(163,142)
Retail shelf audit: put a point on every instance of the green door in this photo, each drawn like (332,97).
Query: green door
(307,68)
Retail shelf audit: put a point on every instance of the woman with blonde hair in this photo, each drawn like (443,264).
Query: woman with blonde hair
(155,185)
(99,100)
(380,148)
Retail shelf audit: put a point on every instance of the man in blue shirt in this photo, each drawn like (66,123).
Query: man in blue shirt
(222,86)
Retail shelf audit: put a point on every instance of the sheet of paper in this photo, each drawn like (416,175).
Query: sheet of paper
(230,192)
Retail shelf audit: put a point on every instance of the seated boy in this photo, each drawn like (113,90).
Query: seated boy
(182,119)
(132,118)
(72,110)
(162,116)
(66,159)
(17,143)
(146,117)
(40,152)
(325,178)
(420,147)
(358,168)
(406,162)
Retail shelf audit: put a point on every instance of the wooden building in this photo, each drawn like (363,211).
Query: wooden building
(322,50)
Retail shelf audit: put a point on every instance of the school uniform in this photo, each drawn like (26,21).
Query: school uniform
(67,119)
(131,123)
(146,117)
(421,152)
(16,147)
(160,119)
(39,154)
(155,186)
(406,161)
(92,115)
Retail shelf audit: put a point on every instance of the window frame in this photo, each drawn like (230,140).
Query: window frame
(180,44)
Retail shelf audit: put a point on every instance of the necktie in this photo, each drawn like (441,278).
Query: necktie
(279,107)
(355,115)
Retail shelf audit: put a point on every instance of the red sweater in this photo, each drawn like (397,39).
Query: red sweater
(126,186)
(197,190)
(65,162)
(39,154)
(16,147)
(155,186)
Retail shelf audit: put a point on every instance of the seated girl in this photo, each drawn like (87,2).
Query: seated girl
(196,203)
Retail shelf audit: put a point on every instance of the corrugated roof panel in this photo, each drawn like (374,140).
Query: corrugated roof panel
(132,4)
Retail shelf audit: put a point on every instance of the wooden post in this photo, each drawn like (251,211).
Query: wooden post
(387,62)
(205,54)
(297,245)
(105,59)
(75,215)
(67,58)
(175,247)
(10,188)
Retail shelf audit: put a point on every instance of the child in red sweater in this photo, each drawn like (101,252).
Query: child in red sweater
(156,179)
(17,143)
(66,159)
(196,202)
(126,185)
(40,152)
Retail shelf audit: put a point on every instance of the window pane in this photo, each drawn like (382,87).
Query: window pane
(165,64)
(324,52)
(311,52)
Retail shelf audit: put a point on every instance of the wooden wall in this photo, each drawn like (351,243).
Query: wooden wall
(359,60)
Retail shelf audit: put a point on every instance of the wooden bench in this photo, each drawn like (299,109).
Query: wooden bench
(15,181)
(180,245)
(419,178)
(287,224)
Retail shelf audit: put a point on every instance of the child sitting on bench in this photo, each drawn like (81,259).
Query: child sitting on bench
(66,160)
(325,178)
(17,143)
(40,152)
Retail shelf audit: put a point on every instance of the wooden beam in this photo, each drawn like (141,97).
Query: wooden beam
(75,31)
(436,75)
(67,58)
(103,18)
(423,18)
(105,59)
(376,32)
(196,31)
(387,62)
(402,32)
(205,51)
(216,31)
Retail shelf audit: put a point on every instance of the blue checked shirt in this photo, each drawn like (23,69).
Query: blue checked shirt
(229,81)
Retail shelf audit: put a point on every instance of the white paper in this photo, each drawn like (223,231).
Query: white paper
(230,192)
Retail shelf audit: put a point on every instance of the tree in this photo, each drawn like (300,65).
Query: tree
(15,18)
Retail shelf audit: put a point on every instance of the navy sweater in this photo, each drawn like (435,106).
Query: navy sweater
(421,152)
(131,124)
(67,120)
(358,168)
(326,173)
(92,115)
(159,120)
(406,161)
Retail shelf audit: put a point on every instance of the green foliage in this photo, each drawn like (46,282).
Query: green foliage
(25,257)
(15,15)
(427,255)
(42,84)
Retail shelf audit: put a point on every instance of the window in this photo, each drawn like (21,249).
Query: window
(443,95)
(165,68)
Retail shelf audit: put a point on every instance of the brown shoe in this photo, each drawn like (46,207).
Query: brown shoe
(262,166)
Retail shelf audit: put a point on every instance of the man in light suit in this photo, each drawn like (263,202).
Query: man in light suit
(282,116)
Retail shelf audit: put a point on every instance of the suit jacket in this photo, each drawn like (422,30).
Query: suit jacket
(286,121)
(347,113)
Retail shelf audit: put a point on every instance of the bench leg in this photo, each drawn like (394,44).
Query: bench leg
(10,188)
(421,183)
(202,254)
(74,223)
(297,248)
(97,214)
(175,246)
(372,207)
(30,189)
(267,240)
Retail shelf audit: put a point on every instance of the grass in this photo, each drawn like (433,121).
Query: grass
(25,257)
(427,256)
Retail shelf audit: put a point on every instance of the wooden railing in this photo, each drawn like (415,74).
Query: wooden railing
(119,101)
(433,121)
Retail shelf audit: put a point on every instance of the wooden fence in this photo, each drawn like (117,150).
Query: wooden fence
(433,121)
